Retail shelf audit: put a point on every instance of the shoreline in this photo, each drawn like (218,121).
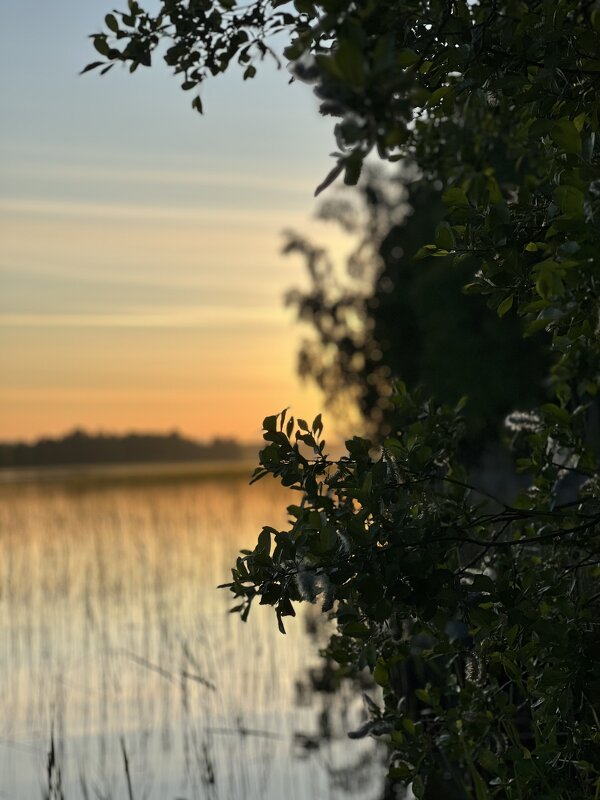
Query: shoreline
(94,474)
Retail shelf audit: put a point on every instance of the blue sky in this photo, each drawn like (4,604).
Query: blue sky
(140,277)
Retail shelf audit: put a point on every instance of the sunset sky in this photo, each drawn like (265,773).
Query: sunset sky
(141,282)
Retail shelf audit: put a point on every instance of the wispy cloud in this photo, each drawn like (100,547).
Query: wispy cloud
(123,212)
(196,175)
(212,318)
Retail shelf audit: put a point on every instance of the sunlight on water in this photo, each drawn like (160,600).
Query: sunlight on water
(111,626)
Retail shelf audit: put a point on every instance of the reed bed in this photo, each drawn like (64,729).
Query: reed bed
(123,672)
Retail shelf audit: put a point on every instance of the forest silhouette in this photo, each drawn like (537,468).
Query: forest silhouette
(80,447)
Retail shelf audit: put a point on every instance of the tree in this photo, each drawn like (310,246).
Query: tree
(490,607)
(395,315)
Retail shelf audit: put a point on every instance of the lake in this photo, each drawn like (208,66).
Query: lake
(116,645)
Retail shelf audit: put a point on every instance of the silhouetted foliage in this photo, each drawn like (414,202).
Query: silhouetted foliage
(493,603)
(398,316)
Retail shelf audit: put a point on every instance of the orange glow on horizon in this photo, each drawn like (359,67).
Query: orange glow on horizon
(141,280)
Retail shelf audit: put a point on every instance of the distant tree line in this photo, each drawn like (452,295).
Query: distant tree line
(79,447)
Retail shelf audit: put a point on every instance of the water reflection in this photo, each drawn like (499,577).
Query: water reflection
(111,629)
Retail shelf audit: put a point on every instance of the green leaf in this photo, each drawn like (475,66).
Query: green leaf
(331,176)
(270,423)
(481,790)
(549,284)
(400,770)
(280,624)
(381,673)
(350,62)
(444,95)
(258,474)
(455,197)
(565,134)
(397,136)
(111,23)
(444,236)
(535,326)
(556,413)
(418,787)
(425,252)
(294,50)
(406,58)
(570,201)
(327,539)
(488,761)
(476,287)
(409,726)
(264,541)
(356,630)
(101,45)
(505,306)
(352,168)
(91,66)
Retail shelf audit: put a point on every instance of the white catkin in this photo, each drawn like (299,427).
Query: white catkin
(523,421)
(474,668)
(392,468)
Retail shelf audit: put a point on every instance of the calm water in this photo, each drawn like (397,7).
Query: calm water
(111,629)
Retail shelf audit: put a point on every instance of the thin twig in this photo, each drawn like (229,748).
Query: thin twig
(127,775)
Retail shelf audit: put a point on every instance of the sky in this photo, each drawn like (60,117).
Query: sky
(141,281)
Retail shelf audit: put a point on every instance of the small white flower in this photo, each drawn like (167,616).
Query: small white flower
(523,421)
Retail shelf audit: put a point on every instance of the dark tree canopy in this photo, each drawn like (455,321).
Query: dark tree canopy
(495,605)
(398,316)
